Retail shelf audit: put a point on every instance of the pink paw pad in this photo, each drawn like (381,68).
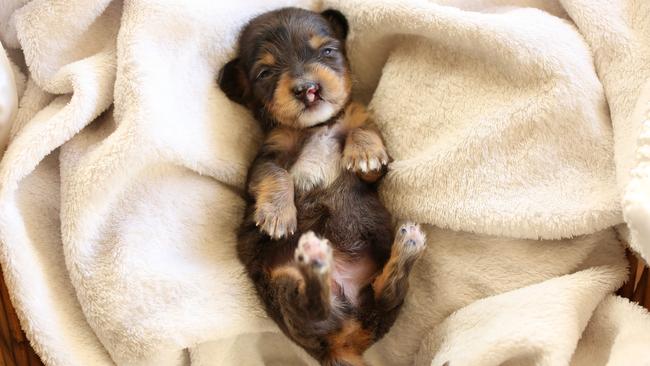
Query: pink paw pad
(313,251)
(411,237)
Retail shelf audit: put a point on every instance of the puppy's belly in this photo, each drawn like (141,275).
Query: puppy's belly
(319,162)
(348,277)
(319,167)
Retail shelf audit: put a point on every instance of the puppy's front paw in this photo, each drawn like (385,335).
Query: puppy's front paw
(365,154)
(276,219)
(314,253)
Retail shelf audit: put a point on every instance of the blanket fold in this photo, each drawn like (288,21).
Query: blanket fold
(474,118)
(517,135)
(496,325)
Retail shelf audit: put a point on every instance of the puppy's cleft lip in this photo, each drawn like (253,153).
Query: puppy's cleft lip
(312,97)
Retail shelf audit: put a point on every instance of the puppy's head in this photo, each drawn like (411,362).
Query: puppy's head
(291,67)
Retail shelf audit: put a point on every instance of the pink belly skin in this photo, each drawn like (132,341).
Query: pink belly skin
(349,276)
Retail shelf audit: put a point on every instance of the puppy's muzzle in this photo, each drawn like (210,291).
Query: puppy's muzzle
(307,92)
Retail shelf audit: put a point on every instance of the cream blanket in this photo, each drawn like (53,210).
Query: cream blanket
(517,130)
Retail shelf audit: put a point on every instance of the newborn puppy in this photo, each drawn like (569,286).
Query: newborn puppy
(316,240)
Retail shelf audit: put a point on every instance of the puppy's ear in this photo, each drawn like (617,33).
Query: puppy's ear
(233,81)
(338,22)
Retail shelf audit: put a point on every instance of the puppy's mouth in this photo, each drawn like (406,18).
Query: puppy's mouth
(316,109)
(317,99)
(312,97)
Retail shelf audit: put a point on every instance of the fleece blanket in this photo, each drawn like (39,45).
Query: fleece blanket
(519,131)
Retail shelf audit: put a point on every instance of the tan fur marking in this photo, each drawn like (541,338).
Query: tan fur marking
(270,186)
(380,283)
(268,59)
(282,139)
(275,212)
(336,89)
(287,109)
(355,116)
(364,153)
(367,140)
(393,271)
(289,271)
(316,41)
(284,107)
(350,343)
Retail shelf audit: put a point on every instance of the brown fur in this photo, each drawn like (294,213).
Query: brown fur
(337,86)
(292,272)
(268,59)
(382,281)
(339,290)
(316,41)
(363,148)
(350,342)
(354,116)
(284,107)
(275,212)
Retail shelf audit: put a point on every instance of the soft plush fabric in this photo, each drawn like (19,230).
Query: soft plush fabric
(12,83)
(516,130)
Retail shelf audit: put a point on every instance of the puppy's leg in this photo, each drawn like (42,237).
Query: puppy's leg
(391,286)
(275,211)
(364,152)
(314,259)
(272,186)
(303,288)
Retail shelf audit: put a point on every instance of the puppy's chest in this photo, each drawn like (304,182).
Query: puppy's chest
(319,162)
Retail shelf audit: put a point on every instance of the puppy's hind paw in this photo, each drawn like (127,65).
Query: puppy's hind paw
(314,253)
(410,240)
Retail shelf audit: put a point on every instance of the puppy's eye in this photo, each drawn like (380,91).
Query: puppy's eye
(327,51)
(263,74)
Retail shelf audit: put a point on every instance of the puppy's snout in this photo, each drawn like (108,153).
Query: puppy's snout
(308,92)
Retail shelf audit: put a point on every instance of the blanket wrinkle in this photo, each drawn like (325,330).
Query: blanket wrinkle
(553,343)
(9,90)
(518,130)
(488,155)
(619,36)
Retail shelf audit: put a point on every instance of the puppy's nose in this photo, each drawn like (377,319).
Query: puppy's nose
(307,92)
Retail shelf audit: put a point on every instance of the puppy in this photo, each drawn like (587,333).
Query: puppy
(316,240)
